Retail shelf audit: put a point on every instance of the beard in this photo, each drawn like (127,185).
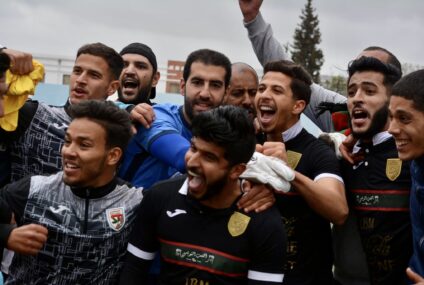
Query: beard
(378,122)
(214,188)
(143,96)
(188,108)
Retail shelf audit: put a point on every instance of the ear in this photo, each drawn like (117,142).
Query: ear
(299,106)
(113,87)
(155,79)
(114,155)
(237,170)
(182,86)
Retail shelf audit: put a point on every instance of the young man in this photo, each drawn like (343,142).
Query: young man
(158,153)
(35,145)
(87,211)
(378,186)
(267,48)
(193,220)
(406,125)
(139,76)
(317,196)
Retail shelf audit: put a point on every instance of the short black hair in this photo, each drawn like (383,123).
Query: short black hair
(113,59)
(301,79)
(411,87)
(364,63)
(208,57)
(228,127)
(115,122)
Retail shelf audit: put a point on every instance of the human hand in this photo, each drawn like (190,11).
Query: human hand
(27,239)
(414,277)
(270,171)
(250,9)
(20,62)
(256,197)
(334,140)
(143,113)
(274,149)
(346,149)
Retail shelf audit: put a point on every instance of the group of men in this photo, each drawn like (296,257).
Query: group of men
(77,217)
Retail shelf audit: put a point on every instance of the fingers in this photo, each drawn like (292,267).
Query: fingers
(27,239)
(346,153)
(275,149)
(257,197)
(21,62)
(414,277)
(143,113)
(259,148)
(260,205)
(250,9)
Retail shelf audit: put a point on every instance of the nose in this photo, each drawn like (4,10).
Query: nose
(246,102)
(393,127)
(129,69)
(68,150)
(82,77)
(192,159)
(358,96)
(205,91)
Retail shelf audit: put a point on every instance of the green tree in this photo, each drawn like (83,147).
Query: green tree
(336,83)
(306,38)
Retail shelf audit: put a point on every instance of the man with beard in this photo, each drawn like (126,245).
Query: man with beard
(139,76)
(87,211)
(378,185)
(243,86)
(406,126)
(267,48)
(157,153)
(193,219)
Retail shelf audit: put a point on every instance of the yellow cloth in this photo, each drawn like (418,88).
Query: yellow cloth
(20,86)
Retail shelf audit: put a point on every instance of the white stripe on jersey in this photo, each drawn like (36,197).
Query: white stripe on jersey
(140,253)
(264,276)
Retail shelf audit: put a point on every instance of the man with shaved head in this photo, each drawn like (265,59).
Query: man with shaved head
(267,48)
(243,87)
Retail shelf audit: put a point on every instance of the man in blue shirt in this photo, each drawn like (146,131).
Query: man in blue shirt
(158,153)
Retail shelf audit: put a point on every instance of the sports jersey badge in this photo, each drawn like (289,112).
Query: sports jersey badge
(238,224)
(393,168)
(116,218)
(293,158)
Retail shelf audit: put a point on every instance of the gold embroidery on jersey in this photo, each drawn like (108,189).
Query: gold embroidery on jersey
(393,168)
(293,158)
(238,224)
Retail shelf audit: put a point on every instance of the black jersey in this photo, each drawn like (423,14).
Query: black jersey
(309,247)
(378,190)
(200,245)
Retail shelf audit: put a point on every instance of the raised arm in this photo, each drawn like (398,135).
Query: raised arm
(266,47)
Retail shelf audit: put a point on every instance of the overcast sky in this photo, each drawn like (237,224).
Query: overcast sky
(174,28)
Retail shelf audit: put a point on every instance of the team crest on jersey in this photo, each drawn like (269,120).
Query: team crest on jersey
(116,218)
(293,158)
(238,224)
(393,168)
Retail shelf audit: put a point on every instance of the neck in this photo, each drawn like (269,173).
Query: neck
(225,198)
